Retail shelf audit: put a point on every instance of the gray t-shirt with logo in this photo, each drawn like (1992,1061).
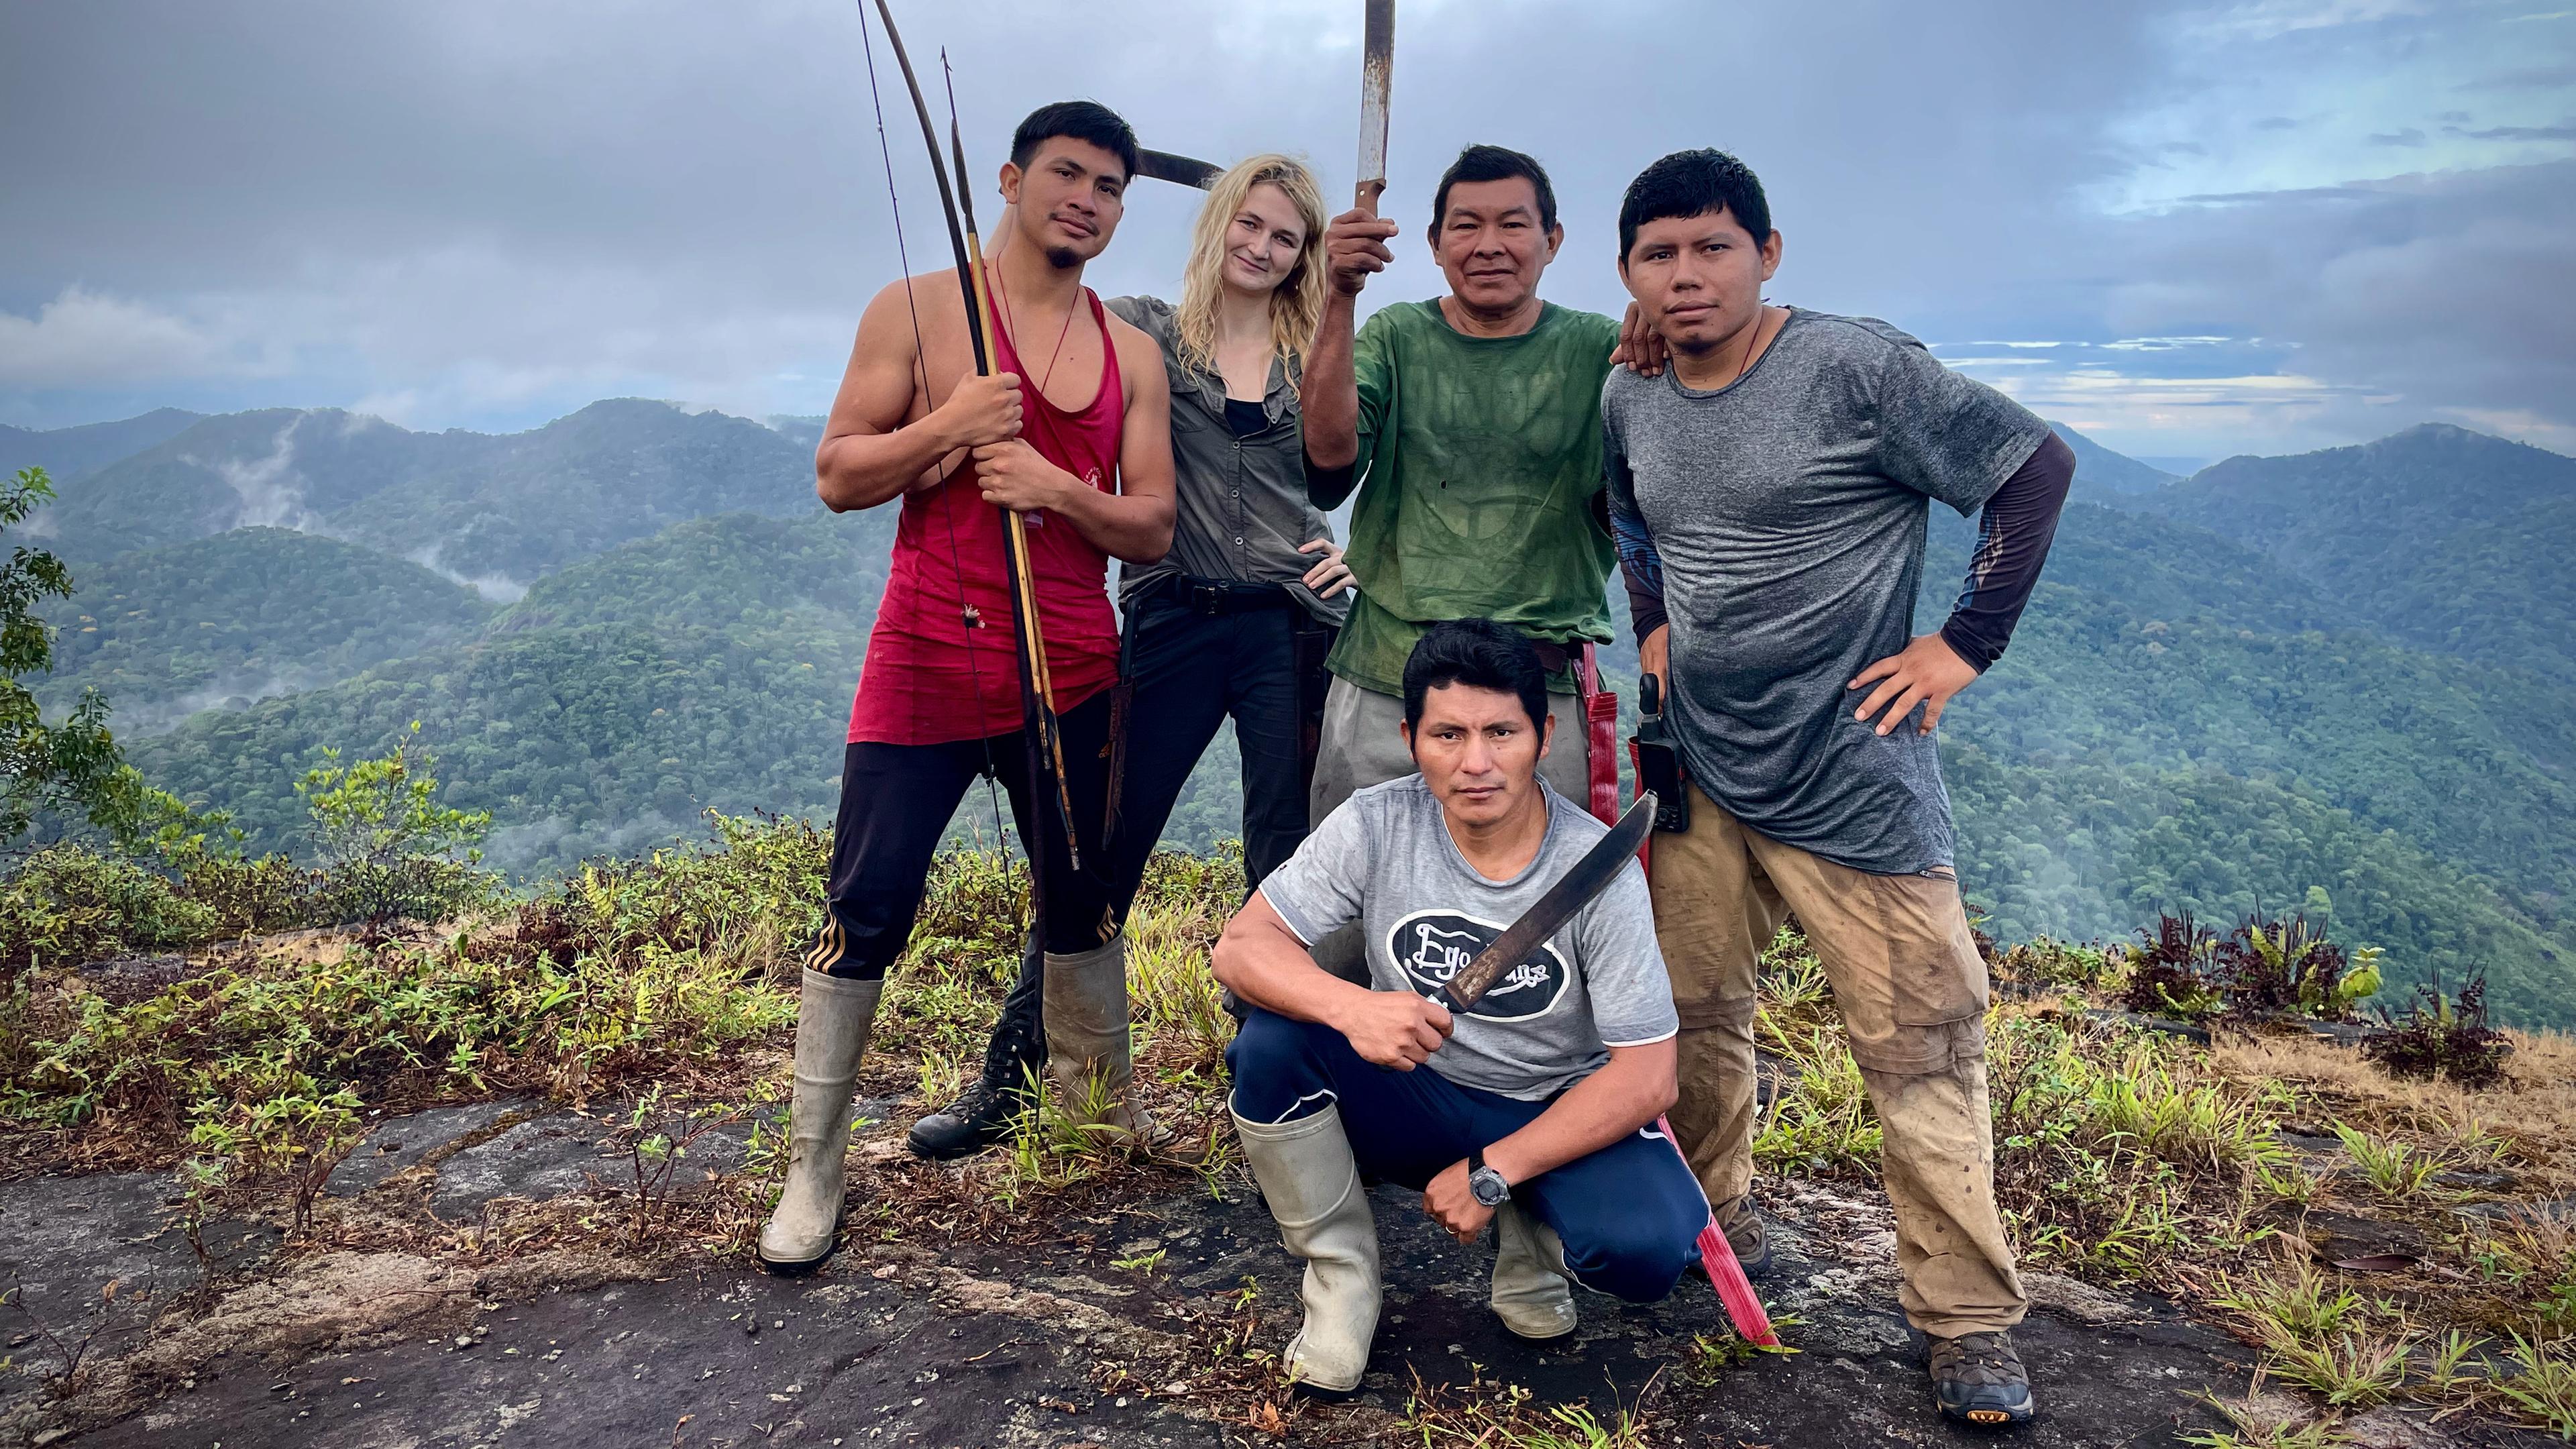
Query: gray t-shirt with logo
(1788,509)
(1385,860)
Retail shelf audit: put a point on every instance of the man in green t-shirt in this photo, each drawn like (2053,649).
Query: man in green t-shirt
(1471,426)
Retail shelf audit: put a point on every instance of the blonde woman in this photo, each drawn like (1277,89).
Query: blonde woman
(1235,620)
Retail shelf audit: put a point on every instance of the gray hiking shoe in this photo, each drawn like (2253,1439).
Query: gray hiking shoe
(1741,1221)
(1979,1379)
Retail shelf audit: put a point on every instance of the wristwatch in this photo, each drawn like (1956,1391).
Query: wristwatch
(1484,1182)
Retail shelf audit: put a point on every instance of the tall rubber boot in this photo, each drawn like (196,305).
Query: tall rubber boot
(1313,1187)
(1086,1037)
(1533,1293)
(833,1018)
(984,1113)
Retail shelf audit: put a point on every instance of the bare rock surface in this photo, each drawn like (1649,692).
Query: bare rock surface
(1102,1337)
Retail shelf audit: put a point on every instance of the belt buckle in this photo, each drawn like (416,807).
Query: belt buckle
(1208,599)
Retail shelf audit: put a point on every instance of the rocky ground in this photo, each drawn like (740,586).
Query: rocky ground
(1130,1329)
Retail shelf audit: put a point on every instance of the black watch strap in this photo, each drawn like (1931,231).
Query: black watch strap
(1475,1160)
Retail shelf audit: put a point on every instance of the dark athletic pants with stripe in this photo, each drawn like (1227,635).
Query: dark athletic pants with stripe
(896,802)
(1630,1214)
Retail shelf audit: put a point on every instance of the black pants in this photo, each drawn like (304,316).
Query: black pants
(1190,671)
(896,802)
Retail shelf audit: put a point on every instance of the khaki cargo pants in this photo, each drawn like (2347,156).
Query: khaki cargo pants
(1912,990)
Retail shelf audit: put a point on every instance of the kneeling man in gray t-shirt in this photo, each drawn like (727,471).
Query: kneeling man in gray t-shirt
(1538,1107)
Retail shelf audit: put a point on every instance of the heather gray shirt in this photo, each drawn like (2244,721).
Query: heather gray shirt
(1788,509)
(1240,510)
(1385,860)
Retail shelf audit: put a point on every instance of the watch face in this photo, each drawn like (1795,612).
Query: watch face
(1489,1187)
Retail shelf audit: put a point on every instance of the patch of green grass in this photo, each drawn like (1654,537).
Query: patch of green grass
(1821,1122)
(2347,1368)
(2540,1390)
(2393,1169)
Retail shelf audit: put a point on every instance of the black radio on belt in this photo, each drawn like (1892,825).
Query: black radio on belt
(1658,768)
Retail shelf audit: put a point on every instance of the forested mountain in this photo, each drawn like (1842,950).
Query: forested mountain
(2098,467)
(708,667)
(501,509)
(2195,714)
(166,632)
(2437,535)
(69,454)
(2180,720)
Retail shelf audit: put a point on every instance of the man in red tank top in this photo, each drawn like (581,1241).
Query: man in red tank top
(1073,432)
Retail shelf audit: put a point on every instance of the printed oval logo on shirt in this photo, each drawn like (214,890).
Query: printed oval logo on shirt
(1429,947)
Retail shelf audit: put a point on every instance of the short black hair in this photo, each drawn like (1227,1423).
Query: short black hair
(1478,653)
(1694,183)
(1493,163)
(1083,121)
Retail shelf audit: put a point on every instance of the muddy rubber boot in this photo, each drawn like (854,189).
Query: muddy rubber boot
(1741,1221)
(1533,1292)
(833,1018)
(1979,1379)
(1313,1187)
(1086,1037)
(985,1112)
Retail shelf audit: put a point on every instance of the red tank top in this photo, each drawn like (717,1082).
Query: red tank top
(929,677)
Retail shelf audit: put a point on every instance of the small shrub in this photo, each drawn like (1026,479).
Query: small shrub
(2442,1036)
(69,904)
(390,852)
(2172,971)
(2288,968)
(2046,964)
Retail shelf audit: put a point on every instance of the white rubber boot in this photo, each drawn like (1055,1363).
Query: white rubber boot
(1313,1186)
(1086,1032)
(833,1019)
(1533,1294)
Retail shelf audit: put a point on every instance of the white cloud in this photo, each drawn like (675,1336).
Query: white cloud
(85,337)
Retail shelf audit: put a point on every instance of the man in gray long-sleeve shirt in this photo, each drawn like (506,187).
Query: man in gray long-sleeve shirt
(1769,496)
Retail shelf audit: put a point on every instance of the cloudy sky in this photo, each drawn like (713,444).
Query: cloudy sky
(2191,229)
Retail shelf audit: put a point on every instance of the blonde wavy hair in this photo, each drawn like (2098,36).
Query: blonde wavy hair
(1297,304)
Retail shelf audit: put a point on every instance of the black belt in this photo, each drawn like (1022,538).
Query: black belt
(1218,596)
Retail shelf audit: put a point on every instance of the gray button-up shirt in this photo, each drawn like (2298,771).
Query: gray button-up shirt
(1242,509)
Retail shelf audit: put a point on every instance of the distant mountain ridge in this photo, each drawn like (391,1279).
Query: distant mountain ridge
(503,509)
(70,454)
(2098,466)
(2444,537)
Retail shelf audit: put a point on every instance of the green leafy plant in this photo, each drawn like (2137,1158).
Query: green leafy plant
(389,851)
(73,764)
(2172,969)
(2444,1036)
(2289,968)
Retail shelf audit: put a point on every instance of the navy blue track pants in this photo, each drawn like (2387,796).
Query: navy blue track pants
(1630,1214)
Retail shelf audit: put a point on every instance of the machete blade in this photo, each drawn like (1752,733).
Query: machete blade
(1572,892)
(1180,170)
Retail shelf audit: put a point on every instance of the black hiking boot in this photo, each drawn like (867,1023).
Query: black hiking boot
(990,1107)
(1979,1379)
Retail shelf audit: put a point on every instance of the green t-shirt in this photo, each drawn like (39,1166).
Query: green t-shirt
(1479,466)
